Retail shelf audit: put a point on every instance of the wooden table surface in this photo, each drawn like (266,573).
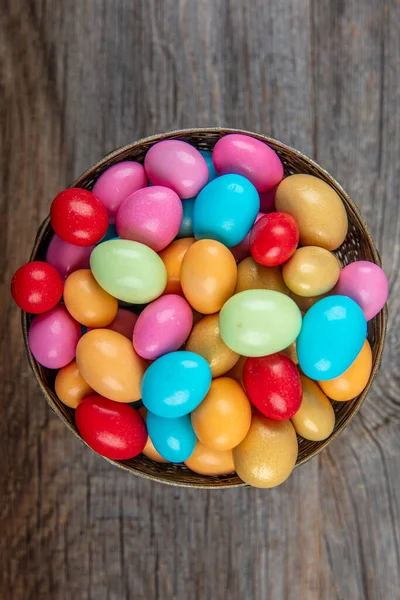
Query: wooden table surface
(81,77)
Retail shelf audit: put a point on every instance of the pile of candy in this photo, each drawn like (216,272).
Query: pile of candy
(195,311)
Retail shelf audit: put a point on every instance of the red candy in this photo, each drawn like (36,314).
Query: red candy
(274,239)
(37,287)
(78,217)
(273,385)
(112,429)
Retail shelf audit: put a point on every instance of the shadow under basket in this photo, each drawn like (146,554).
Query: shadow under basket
(358,245)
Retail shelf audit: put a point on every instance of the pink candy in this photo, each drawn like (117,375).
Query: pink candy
(123,323)
(242,250)
(365,283)
(151,216)
(244,155)
(177,165)
(67,258)
(163,326)
(53,337)
(117,183)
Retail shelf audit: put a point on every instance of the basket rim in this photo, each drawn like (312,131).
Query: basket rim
(383,315)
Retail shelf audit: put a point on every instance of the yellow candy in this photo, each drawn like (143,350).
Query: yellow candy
(253,276)
(311,271)
(206,341)
(315,418)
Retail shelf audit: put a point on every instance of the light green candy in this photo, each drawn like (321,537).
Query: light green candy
(259,322)
(129,271)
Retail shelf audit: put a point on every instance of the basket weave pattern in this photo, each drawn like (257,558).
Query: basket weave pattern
(358,245)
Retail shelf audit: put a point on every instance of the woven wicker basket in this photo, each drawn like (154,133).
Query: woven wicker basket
(358,245)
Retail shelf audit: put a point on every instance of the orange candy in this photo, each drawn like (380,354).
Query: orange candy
(87,302)
(208,276)
(223,419)
(70,386)
(172,257)
(352,382)
(210,462)
(149,449)
(110,365)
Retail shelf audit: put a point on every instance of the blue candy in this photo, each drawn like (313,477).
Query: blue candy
(174,439)
(332,335)
(186,228)
(225,210)
(212,173)
(110,234)
(175,384)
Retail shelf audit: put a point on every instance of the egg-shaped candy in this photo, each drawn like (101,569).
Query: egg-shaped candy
(110,365)
(151,216)
(267,455)
(36,287)
(210,462)
(78,217)
(247,156)
(236,372)
(129,271)
(172,257)
(67,258)
(174,439)
(87,302)
(267,200)
(186,226)
(117,183)
(352,382)
(366,283)
(242,250)
(70,386)
(162,327)
(225,210)
(53,337)
(311,271)
(317,209)
(332,335)
(315,419)
(212,173)
(259,322)
(114,430)
(123,323)
(223,419)
(149,449)
(208,276)
(206,340)
(175,384)
(176,165)
(306,302)
(273,385)
(274,239)
(253,276)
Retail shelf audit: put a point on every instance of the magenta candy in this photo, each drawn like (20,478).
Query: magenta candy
(177,165)
(123,323)
(244,155)
(365,283)
(67,258)
(117,183)
(151,216)
(267,200)
(163,326)
(242,250)
(53,337)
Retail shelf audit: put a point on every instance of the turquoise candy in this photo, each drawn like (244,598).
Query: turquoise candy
(175,384)
(174,439)
(186,228)
(332,335)
(111,234)
(129,271)
(212,173)
(259,322)
(225,210)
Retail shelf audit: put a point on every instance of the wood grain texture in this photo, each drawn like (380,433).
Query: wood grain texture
(79,78)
